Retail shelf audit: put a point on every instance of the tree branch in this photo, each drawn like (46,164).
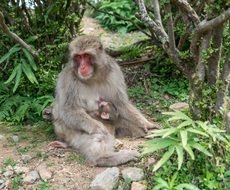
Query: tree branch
(188,10)
(16,37)
(136,62)
(205,26)
(158,30)
(157,14)
(224,88)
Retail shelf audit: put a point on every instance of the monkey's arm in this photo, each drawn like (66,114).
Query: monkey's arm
(78,119)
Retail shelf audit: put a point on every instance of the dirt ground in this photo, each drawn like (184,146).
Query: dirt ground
(67,168)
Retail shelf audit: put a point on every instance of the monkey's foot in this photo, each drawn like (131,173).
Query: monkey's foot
(58,144)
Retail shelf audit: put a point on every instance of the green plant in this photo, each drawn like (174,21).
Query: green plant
(171,185)
(124,8)
(23,63)
(183,135)
(16,108)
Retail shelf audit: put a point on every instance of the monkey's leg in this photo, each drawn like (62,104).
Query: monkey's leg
(117,158)
(98,149)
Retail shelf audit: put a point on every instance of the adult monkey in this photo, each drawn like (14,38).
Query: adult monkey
(91,75)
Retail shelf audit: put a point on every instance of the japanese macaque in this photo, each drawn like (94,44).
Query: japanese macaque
(89,76)
(106,113)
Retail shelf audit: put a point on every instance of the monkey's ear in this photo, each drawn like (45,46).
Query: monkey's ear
(104,115)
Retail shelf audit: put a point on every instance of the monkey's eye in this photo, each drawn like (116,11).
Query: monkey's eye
(87,56)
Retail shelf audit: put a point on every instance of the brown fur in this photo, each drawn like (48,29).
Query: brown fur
(76,97)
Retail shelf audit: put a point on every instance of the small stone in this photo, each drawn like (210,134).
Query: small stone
(151,161)
(21,170)
(180,106)
(15,138)
(118,144)
(2,138)
(2,184)
(26,158)
(44,173)
(31,177)
(106,180)
(8,173)
(133,173)
(138,186)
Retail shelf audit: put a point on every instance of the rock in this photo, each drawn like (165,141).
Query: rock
(31,177)
(44,173)
(8,173)
(15,138)
(180,106)
(133,173)
(21,170)
(2,138)
(26,158)
(138,186)
(106,180)
(2,184)
(151,161)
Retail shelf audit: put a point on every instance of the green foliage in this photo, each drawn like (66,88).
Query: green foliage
(124,8)
(183,135)
(23,63)
(18,108)
(170,184)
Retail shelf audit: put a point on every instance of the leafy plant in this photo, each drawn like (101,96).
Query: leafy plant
(18,108)
(23,64)
(124,8)
(170,184)
(182,135)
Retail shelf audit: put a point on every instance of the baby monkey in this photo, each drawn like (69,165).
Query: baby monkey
(107,113)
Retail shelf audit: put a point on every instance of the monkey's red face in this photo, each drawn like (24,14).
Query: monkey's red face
(84,65)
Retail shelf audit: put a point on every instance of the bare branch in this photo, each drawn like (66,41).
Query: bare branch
(136,62)
(214,59)
(157,13)
(15,36)
(188,10)
(200,68)
(158,30)
(225,83)
(205,26)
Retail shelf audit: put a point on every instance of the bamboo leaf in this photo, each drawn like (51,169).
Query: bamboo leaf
(156,144)
(28,72)
(30,59)
(196,131)
(180,154)
(12,76)
(169,132)
(164,158)
(201,149)
(9,53)
(190,152)
(184,137)
(18,77)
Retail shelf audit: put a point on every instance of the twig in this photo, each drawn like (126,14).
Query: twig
(157,14)
(158,30)
(136,62)
(16,37)
(205,26)
(188,10)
